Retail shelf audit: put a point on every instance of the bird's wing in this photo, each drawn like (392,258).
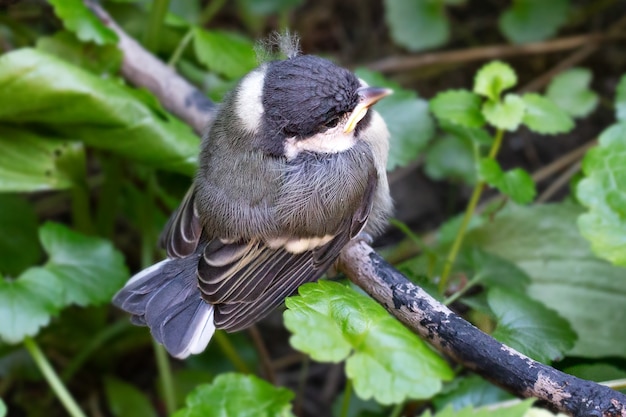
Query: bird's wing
(181,234)
(244,281)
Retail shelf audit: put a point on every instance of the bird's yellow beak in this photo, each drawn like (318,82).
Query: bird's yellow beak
(368,97)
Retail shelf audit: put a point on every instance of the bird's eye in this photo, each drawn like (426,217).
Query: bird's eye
(332,122)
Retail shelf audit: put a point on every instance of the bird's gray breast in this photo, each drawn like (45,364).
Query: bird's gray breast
(319,191)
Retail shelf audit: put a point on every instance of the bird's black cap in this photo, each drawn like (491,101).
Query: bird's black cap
(301,94)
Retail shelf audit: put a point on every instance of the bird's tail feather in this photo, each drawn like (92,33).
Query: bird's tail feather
(165,298)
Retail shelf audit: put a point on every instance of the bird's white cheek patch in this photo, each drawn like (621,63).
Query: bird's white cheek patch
(332,141)
(249,104)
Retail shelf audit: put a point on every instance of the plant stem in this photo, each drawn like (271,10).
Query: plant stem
(165,375)
(53,379)
(229,350)
(180,48)
(210,11)
(155,21)
(396,410)
(345,403)
(147,258)
(469,212)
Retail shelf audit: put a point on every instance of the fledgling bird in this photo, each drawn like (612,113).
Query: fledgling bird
(292,169)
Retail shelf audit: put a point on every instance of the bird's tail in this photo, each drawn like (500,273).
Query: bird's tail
(165,298)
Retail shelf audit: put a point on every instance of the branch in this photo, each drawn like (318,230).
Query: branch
(467,345)
(145,70)
(410,62)
(446,331)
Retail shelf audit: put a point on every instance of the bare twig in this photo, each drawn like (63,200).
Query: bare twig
(264,355)
(469,346)
(448,332)
(404,63)
(143,69)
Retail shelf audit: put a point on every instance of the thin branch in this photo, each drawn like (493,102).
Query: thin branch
(143,69)
(411,62)
(467,345)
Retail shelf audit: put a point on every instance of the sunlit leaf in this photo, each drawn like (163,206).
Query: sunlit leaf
(603,192)
(3,408)
(238,395)
(542,115)
(506,114)
(82,21)
(493,78)
(332,323)
(90,269)
(458,106)
(27,303)
(77,104)
(30,162)
(516,183)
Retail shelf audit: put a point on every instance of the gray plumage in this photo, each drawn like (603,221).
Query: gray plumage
(288,174)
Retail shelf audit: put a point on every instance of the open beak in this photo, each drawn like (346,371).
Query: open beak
(368,97)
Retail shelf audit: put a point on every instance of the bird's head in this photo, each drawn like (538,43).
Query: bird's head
(305,103)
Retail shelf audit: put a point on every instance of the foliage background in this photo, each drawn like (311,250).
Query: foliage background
(91,167)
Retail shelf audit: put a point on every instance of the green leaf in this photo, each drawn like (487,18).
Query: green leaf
(98,59)
(506,114)
(516,183)
(74,103)
(3,408)
(19,245)
(126,400)
(597,372)
(407,118)
(418,24)
(30,162)
(79,19)
(90,269)
(27,303)
(226,53)
(493,78)
(570,91)
(533,20)
(478,137)
(331,323)
(517,410)
(603,192)
(494,271)
(451,157)
(238,395)
(620,99)
(543,116)
(470,391)
(530,327)
(566,276)
(458,106)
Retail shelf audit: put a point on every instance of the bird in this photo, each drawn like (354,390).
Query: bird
(292,168)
